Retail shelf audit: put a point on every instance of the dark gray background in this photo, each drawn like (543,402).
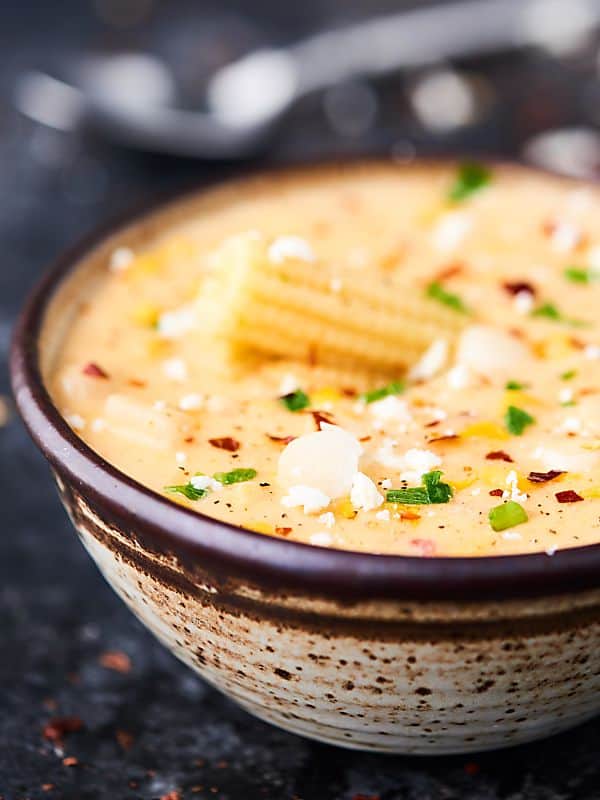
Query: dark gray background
(56,614)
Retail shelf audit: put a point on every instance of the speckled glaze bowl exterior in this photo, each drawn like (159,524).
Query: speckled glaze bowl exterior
(384,653)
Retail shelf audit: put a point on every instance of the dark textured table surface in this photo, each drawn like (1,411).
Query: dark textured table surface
(149,727)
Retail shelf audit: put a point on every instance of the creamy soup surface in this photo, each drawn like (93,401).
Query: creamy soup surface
(490,445)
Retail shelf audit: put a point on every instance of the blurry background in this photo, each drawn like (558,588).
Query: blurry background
(91,706)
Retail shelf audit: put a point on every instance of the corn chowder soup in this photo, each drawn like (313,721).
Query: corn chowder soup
(378,358)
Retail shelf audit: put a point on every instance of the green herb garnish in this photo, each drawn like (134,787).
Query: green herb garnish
(432,491)
(295,401)
(470,179)
(187,490)
(551,312)
(568,375)
(437,292)
(395,387)
(517,420)
(235,476)
(581,275)
(515,386)
(507,515)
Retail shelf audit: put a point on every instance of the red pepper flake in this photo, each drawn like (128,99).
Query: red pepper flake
(450,271)
(498,455)
(124,739)
(56,729)
(577,343)
(472,768)
(433,423)
(365,438)
(426,546)
(94,371)
(496,493)
(516,287)
(116,660)
(322,416)
(189,440)
(70,761)
(568,496)
(283,531)
(225,443)
(281,439)
(448,438)
(410,515)
(137,383)
(543,477)
(348,391)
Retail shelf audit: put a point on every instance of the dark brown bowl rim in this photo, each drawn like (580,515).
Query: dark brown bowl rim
(234,552)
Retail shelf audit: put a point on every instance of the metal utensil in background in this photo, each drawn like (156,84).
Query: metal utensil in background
(132,97)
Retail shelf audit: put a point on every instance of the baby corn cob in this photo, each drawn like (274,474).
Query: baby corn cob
(289,309)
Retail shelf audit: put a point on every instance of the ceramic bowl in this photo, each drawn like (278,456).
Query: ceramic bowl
(383,653)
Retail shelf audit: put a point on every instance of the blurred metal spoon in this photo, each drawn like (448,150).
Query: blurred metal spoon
(132,97)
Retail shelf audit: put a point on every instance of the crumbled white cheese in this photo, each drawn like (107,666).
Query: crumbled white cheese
(513,492)
(565,395)
(476,491)
(321,539)
(451,230)
(312,500)
(551,550)
(290,247)
(327,519)
(180,458)
(76,421)
(190,402)
(364,495)
(390,409)
(386,483)
(565,237)
(523,302)
(204,482)
(569,458)
(459,377)
(120,259)
(175,324)
(159,405)
(511,536)
(487,350)
(175,369)
(570,425)
(326,459)
(592,352)
(289,383)
(383,515)
(431,362)
(417,462)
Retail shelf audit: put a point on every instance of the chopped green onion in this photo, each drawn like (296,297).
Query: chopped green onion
(432,491)
(470,179)
(581,275)
(395,387)
(416,496)
(438,492)
(507,515)
(551,312)
(187,490)
(517,420)
(568,375)
(295,401)
(515,386)
(437,292)
(235,476)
